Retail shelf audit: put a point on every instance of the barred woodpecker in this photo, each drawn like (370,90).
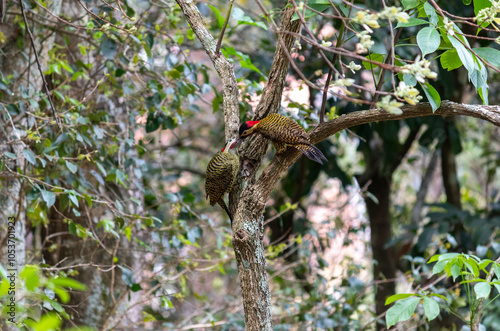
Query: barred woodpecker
(283,131)
(221,175)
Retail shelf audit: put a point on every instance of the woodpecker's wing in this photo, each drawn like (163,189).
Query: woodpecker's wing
(219,177)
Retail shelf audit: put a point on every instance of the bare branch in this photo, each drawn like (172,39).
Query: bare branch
(230,92)
(219,42)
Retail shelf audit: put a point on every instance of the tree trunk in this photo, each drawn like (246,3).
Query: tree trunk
(384,258)
(449,171)
(13,204)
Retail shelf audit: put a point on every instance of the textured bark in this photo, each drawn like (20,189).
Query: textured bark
(384,258)
(224,68)
(416,213)
(449,171)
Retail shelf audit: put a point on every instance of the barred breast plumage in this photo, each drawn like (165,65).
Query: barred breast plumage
(221,175)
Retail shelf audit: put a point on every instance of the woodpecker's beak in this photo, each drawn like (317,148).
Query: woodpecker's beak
(234,144)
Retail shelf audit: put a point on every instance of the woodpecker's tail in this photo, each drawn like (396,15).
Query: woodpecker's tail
(224,206)
(311,152)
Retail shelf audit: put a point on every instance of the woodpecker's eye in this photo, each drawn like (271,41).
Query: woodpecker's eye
(246,133)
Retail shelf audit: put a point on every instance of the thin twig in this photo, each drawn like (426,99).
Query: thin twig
(219,42)
(47,92)
(325,95)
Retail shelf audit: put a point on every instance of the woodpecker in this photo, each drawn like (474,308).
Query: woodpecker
(221,175)
(283,131)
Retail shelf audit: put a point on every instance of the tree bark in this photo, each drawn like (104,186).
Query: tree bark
(449,170)
(384,258)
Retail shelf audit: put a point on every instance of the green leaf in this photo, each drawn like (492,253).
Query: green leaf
(439,267)
(480,4)
(108,48)
(411,22)
(448,256)
(428,40)
(431,308)
(3,86)
(127,276)
(434,258)
(128,232)
(239,15)
(463,53)
(472,266)
(62,293)
(397,297)
(450,60)
(482,290)
(455,271)
(71,166)
(432,95)
(12,109)
(30,156)
(220,18)
(88,200)
(48,197)
(496,268)
(410,4)
(69,283)
(73,199)
(245,62)
(489,54)
(466,2)
(401,311)
(431,13)
(31,276)
(47,322)
(10,155)
(374,57)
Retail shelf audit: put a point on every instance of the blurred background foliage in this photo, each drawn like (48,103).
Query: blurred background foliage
(114,199)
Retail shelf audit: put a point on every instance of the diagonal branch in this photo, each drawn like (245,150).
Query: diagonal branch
(224,68)
(280,164)
(46,86)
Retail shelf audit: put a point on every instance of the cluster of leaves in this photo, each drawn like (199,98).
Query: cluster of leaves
(465,267)
(436,32)
(39,294)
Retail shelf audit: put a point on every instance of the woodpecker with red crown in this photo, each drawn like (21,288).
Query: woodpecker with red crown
(221,175)
(283,131)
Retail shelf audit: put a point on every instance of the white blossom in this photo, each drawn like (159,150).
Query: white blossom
(344,82)
(420,69)
(392,106)
(448,26)
(353,66)
(395,14)
(367,20)
(365,42)
(326,43)
(409,93)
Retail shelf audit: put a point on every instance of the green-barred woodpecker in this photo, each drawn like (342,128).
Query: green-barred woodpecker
(283,131)
(221,175)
